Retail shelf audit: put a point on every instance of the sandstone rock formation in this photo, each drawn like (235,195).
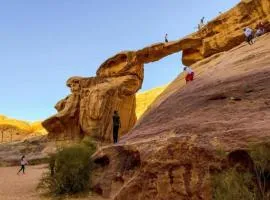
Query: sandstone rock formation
(13,129)
(226,31)
(37,150)
(88,110)
(145,99)
(173,150)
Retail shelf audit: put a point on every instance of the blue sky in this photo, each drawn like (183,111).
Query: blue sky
(43,43)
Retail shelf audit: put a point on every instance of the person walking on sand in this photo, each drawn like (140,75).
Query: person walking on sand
(116,126)
(23,163)
(249,35)
(166,38)
(190,74)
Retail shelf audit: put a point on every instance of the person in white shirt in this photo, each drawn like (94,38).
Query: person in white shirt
(190,74)
(249,35)
(23,163)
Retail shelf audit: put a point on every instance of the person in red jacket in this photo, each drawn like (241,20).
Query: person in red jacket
(190,74)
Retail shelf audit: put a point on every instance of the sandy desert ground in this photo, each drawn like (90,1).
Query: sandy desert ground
(23,187)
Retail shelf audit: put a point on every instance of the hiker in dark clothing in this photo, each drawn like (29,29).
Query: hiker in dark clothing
(116,126)
(166,38)
(23,163)
(202,21)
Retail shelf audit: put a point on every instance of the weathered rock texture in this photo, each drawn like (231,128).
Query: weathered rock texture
(88,110)
(226,31)
(36,149)
(145,99)
(172,151)
(13,129)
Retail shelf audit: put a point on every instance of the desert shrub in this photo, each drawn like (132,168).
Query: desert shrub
(254,184)
(88,142)
(69,170)
(260,155)
(232,185)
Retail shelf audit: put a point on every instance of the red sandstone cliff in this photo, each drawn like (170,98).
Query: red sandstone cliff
(170,153)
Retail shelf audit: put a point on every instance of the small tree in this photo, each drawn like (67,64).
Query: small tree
(70,170)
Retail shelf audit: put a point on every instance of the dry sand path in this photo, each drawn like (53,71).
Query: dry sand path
(13,186)
(23,187)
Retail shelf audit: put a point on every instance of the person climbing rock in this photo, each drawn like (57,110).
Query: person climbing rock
(23,163)
(260,29)
(249,35)
(190,74)
(166,38)
(116,126)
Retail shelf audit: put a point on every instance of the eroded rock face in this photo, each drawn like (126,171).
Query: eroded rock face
(88,110)
(226,31)
(156,170)
(193,131)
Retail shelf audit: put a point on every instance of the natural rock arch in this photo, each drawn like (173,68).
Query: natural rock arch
(89,107)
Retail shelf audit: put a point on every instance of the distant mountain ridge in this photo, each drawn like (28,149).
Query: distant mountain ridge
(14,129)
(146,98)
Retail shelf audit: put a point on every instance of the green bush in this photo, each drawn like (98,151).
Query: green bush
(88,142)
(233,185)
(70,169)
(260,155)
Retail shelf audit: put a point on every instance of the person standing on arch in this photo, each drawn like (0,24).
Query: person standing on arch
(166,38)
(116,126)
(190,74)
(202,21)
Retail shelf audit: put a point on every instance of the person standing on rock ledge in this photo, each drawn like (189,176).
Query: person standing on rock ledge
(249,35)
(116,126)
(190,74)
